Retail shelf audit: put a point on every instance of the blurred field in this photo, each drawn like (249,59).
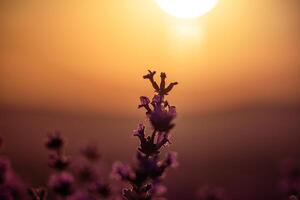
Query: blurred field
(238,149)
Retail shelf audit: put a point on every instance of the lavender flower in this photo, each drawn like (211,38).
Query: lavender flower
(57,160)
(91,152)
(12,188)
(62,183)
(146,176)
(86,173)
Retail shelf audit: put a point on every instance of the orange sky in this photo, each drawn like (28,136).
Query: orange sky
(89,56)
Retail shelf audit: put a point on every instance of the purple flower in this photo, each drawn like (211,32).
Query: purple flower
(10,185)
(55,141)
(12,188)
(62,183)
(149,169)
(162,115)
(91,152)
(122,171)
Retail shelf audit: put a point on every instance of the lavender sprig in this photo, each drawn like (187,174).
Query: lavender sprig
(146,176)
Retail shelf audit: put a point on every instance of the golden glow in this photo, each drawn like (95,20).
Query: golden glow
(89,55)
(187,9)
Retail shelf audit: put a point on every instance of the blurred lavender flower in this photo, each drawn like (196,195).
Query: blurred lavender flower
(100,189)
(58,162)
(91,152)
(145,177)
(62,183)
(211,193)
(86,173)
(12,188)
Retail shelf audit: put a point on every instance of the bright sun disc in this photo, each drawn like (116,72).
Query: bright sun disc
(187,9)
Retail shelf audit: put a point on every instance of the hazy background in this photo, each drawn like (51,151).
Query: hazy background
(76,66)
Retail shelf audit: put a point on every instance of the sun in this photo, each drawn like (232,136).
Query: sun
(187,9)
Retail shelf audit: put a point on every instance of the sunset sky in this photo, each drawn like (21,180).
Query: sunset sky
(77,66)
(88,56)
